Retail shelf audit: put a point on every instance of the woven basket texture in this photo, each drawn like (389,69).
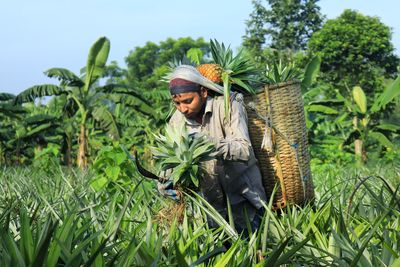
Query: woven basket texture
(288,163)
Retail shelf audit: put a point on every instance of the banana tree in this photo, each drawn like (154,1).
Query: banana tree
(365,119)
(9,114)
(365,126)
(85,97)
(27,133)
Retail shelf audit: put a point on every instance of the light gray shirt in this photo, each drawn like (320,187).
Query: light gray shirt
(234,173)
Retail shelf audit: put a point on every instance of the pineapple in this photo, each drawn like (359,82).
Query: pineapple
(237,71)
(211,71)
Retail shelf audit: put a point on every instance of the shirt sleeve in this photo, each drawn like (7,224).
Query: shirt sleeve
(236,145)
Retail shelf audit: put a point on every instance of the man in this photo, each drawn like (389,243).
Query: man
(233,175)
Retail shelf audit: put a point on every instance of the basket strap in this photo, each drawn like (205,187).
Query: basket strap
(267,142)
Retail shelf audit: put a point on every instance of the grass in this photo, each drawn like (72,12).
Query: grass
(57,219)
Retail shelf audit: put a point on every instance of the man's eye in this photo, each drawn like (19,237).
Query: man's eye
(187,101)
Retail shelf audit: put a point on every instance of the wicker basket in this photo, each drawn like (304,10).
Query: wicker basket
(279,110)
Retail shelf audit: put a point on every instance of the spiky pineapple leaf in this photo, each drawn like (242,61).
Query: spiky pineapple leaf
(182,153)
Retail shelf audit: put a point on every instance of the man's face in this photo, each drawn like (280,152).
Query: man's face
(190,104)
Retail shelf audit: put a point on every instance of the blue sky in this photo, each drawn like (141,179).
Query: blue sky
(41,34)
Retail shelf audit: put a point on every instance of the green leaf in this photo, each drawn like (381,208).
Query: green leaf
(107,121)
(382,139)
(179,257)
(208,256)
(26,242)
(311,72)
(38,129)
(178,171)
(360,99)
(62,235)
(66,76)
(388,127)
(113,172)
(30,94)
(321,109)
(44,243)
(284,259)
(119,158)
(193,176)
(195,55)
(224,260)
(391,91)
(6,96)
(396,263)
(96,61)
(99,183)
(227,95)
(12,249)
(273,258)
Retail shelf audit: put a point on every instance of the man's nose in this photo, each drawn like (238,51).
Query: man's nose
(184,109)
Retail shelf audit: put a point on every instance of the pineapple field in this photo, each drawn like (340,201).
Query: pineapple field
(63,217)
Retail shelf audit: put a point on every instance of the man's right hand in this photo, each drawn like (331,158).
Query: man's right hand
(166,189)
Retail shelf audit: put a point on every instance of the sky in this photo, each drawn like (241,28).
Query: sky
(42,34)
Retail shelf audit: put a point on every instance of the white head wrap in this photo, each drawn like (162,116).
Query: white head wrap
(190,73)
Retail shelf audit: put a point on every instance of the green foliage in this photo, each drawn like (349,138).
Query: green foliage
(195,55)
(57,219)
(112,169)
(96,61)
(286,24)
(355,50)
(47,158)
(281,72)
(359,120)
(311,72)
(387,96)
(183,154)
(238,72)
(86,101)
(360,99)
(148,64)
(287,70)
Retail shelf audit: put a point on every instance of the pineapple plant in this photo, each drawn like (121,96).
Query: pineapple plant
(280,72)
(183,154)
(234,72)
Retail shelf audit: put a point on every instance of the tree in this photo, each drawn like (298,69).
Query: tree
(355,50)
(85,97)
(255,36)
(285,24)
(148,64)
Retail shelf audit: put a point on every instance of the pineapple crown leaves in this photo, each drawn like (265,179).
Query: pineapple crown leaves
(239,69)
(280,72)
(179,151)
(238,72)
